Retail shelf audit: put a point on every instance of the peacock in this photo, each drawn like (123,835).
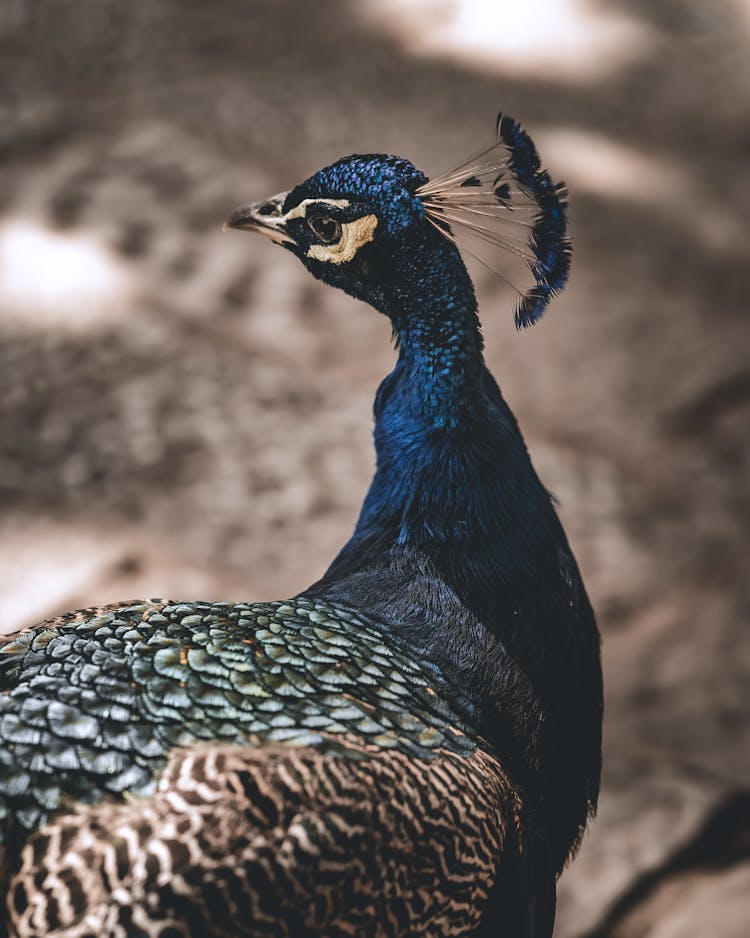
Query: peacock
(410,746)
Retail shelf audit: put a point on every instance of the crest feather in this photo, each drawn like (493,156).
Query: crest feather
(506,199)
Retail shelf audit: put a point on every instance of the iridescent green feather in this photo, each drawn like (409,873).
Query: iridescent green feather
(94,704)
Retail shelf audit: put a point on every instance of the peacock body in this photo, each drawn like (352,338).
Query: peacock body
(409,747)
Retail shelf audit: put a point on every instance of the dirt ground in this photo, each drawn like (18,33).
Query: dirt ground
(186,413)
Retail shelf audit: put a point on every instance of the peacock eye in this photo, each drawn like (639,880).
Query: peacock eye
(327,230)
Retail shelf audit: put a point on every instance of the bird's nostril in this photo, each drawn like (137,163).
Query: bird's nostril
(269,208)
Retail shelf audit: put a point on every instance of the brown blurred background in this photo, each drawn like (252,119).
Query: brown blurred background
(187,413)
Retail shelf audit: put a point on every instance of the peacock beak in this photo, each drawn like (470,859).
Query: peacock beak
(264,217)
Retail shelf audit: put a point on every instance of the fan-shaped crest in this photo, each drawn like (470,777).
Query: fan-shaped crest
(505,198)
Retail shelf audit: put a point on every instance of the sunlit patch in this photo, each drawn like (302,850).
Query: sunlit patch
(43,564)
(595,164)
(591,162)
(572,40)
(48,277)
(743,12)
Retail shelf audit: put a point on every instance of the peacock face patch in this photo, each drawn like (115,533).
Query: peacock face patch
(336,240)
(353,235)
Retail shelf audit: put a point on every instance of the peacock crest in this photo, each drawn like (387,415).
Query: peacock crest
(503,197)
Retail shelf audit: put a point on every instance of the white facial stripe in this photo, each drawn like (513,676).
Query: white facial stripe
(300,211)
(353,235)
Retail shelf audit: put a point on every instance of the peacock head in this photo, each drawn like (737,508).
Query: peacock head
(348,223)
(373,225)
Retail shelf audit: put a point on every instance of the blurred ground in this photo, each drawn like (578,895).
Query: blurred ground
(187,413)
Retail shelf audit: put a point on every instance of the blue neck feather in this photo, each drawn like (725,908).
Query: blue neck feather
(452,468)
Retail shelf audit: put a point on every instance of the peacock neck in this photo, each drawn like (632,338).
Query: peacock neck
(453,476)
(433,309)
